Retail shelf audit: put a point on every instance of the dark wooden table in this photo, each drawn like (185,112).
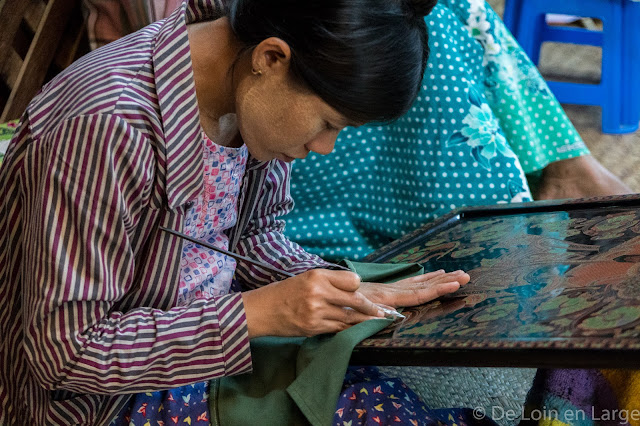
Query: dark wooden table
(553,284)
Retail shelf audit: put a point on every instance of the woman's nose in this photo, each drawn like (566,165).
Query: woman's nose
(323,144)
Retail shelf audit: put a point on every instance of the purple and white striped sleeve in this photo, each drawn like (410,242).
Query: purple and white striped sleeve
(81,183)
(263,239)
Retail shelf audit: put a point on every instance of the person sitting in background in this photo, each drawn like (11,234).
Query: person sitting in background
(483,127)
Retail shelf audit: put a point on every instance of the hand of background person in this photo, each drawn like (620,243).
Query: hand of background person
(415,290)
(578,178)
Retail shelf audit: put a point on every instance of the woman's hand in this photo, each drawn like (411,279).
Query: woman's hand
(415,290)
(315,302)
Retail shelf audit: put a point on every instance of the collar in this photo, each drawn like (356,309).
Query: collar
(180,154)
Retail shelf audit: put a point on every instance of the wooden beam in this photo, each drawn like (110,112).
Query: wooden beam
(39,57)
(11,13)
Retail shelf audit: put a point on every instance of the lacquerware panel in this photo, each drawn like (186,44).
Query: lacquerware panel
(550,279)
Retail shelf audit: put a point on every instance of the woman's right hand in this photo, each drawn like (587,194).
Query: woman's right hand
(314,302)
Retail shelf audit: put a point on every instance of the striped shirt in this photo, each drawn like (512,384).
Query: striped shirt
(108,151)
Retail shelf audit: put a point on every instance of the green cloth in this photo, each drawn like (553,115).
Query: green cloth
(298,380)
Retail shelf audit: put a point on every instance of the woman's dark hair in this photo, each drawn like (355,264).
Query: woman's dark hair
(365,58)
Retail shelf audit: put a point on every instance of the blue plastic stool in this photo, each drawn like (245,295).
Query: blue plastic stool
(619,90)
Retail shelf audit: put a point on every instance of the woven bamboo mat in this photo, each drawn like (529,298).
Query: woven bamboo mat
(500,392)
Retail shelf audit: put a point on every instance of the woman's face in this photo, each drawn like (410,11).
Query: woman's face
(278,118)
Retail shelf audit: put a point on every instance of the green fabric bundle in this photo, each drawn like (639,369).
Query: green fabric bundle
(297,380)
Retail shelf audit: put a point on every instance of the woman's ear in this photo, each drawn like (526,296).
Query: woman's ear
(271,55)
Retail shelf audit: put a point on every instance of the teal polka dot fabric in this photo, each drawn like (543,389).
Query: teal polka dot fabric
(483,118)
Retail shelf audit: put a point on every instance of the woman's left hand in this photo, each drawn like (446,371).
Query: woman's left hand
(415,290)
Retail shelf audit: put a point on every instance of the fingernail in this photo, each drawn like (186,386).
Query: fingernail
(392,313)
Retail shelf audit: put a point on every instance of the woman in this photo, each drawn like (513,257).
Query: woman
(188,124)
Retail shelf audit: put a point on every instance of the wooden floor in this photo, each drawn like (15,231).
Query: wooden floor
(620,154)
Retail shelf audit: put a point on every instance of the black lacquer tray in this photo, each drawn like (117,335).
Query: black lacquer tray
(553,284)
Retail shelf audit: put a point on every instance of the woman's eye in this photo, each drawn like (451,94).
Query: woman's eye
(330,127)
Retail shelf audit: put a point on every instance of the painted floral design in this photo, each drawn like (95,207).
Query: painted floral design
(611,226)
(617,317)
(536,276)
